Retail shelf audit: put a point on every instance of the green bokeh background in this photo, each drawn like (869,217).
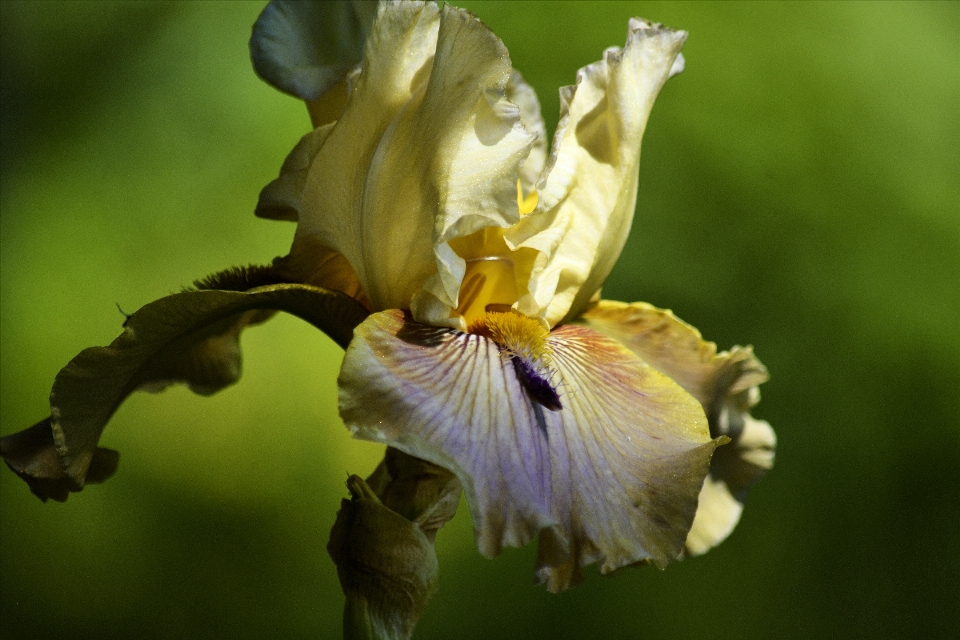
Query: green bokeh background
(800,191)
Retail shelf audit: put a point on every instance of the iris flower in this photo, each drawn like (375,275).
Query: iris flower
(460,264)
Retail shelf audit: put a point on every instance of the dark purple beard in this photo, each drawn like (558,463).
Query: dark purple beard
(538,388)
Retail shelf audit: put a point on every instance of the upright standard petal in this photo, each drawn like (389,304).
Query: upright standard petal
(522,94)
(725,384)
(427,150)
(589,188)
(282,199)
(612,477)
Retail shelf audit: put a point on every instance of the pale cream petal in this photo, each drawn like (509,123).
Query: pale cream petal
(321,267)
(479,148)
(717,515)
(589,188)
(522,94)
(725,383)
(612,477)
(398,57)
(428,149)
(282,199)
(311,262)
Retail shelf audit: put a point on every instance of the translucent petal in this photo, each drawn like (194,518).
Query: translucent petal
(427,150)
(313,263)
(282,199)
(522,94)
(613,477)
(735,468)
(725,384)
(588,190)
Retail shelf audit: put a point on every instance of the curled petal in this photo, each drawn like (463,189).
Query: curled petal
(522,94)
(733,471)
(612,477)
(589,188)
(32,455)
(282,199)
(725,383)
(307,48)
(427,150)
(190,337)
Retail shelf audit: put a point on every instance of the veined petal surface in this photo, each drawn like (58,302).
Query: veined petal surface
(427,149)
(588,190)
(613,477)
(725,383)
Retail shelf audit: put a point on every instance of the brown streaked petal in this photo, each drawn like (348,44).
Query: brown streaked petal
(190,337)
(612,477)
(32,455)
(725,383)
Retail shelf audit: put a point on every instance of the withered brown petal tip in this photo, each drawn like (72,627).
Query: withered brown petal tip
(32,455)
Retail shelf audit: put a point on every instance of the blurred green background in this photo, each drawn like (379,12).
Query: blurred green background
(800,191)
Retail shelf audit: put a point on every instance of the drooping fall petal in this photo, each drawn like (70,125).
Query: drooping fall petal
(190,337)
(725,384)
(612,477)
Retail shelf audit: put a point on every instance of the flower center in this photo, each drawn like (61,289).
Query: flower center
(524,340)
(490,279)
(489,284)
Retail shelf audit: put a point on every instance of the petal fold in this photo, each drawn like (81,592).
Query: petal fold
(613,477)
(725,383)
(427,150)
(282,199)
(190,337)
(522,94)
(588,190)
